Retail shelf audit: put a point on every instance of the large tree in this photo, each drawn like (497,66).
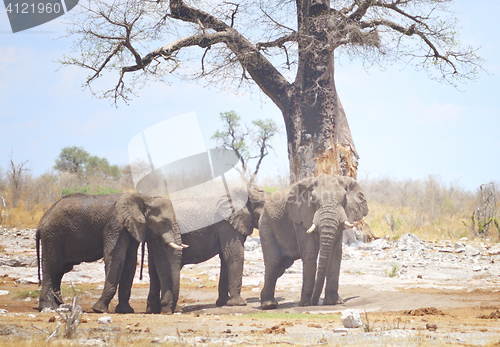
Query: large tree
(286,48)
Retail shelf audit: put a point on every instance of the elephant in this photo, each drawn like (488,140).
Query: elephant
(298,222)
(84,228)
(222,236)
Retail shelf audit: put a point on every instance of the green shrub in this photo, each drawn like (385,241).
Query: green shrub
(88,190)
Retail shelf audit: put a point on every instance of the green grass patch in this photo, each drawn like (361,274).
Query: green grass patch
(292,316)
(33,294)
(68,291)
(393,272)
(89,190)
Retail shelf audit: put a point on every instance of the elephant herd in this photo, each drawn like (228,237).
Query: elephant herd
(305,220)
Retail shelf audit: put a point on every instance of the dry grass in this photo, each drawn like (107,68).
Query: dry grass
(428,208)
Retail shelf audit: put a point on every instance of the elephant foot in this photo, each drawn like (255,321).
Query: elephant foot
(166,310)
(153,304)
(124,308)
(305,302)
(45,304)
(268,305)
(222,301)
(333,301)
(236,301)
(99,307)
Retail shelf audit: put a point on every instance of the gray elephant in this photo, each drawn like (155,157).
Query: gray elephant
(84,228)
(222,236)
(301,220)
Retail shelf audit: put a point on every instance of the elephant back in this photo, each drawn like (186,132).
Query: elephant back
(194,214)
(276,202)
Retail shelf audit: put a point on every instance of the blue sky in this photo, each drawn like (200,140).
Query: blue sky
(404,125)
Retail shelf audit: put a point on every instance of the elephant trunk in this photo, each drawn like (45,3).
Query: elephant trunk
(329,228)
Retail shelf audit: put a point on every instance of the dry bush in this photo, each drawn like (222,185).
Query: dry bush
(428,208)
(37,194)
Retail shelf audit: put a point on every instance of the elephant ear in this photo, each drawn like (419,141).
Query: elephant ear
(300,206)
(129,210)
(356,206)
(241,219)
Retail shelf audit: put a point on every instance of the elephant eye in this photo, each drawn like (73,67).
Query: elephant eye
(361,196)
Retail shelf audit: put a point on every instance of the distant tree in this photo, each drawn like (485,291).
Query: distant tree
(78,161)
(236,136)
(96,166)
(16,176)
(72,159)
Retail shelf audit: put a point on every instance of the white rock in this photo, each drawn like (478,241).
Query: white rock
(340,331)
(31,315)
(48,309)
(476,268)
(3,311)
(463,239)
(4,292)
(471,251)
(105,320)
(410,243)
(351,319)
(378,245)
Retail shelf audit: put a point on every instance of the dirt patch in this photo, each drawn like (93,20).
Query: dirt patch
(453,302)
(424,312)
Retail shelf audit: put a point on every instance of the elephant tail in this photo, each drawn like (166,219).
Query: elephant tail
(38,255)
(142,259)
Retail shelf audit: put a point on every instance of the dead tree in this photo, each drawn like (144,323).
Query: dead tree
(16,177)
(485,215)
(285,48)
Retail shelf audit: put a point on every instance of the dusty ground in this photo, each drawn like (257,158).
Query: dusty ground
(400,310)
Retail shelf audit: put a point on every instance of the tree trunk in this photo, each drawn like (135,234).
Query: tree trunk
(319,138)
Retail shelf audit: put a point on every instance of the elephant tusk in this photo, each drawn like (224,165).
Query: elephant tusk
(311,229)
(349,225)
(184,245)
(175,246)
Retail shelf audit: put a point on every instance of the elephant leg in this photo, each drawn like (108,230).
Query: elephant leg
(167,275)
(153,301)
(223,283)
(115,253)
(332,296)
(56,284)
(273,269)
(233,253)
(308,248)
(51,282)
(127,279)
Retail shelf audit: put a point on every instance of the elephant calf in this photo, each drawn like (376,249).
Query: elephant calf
(84,228)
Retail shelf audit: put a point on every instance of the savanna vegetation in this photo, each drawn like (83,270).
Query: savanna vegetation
(25,197)
(430,208)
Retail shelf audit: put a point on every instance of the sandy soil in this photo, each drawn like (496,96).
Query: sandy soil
(398,310)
